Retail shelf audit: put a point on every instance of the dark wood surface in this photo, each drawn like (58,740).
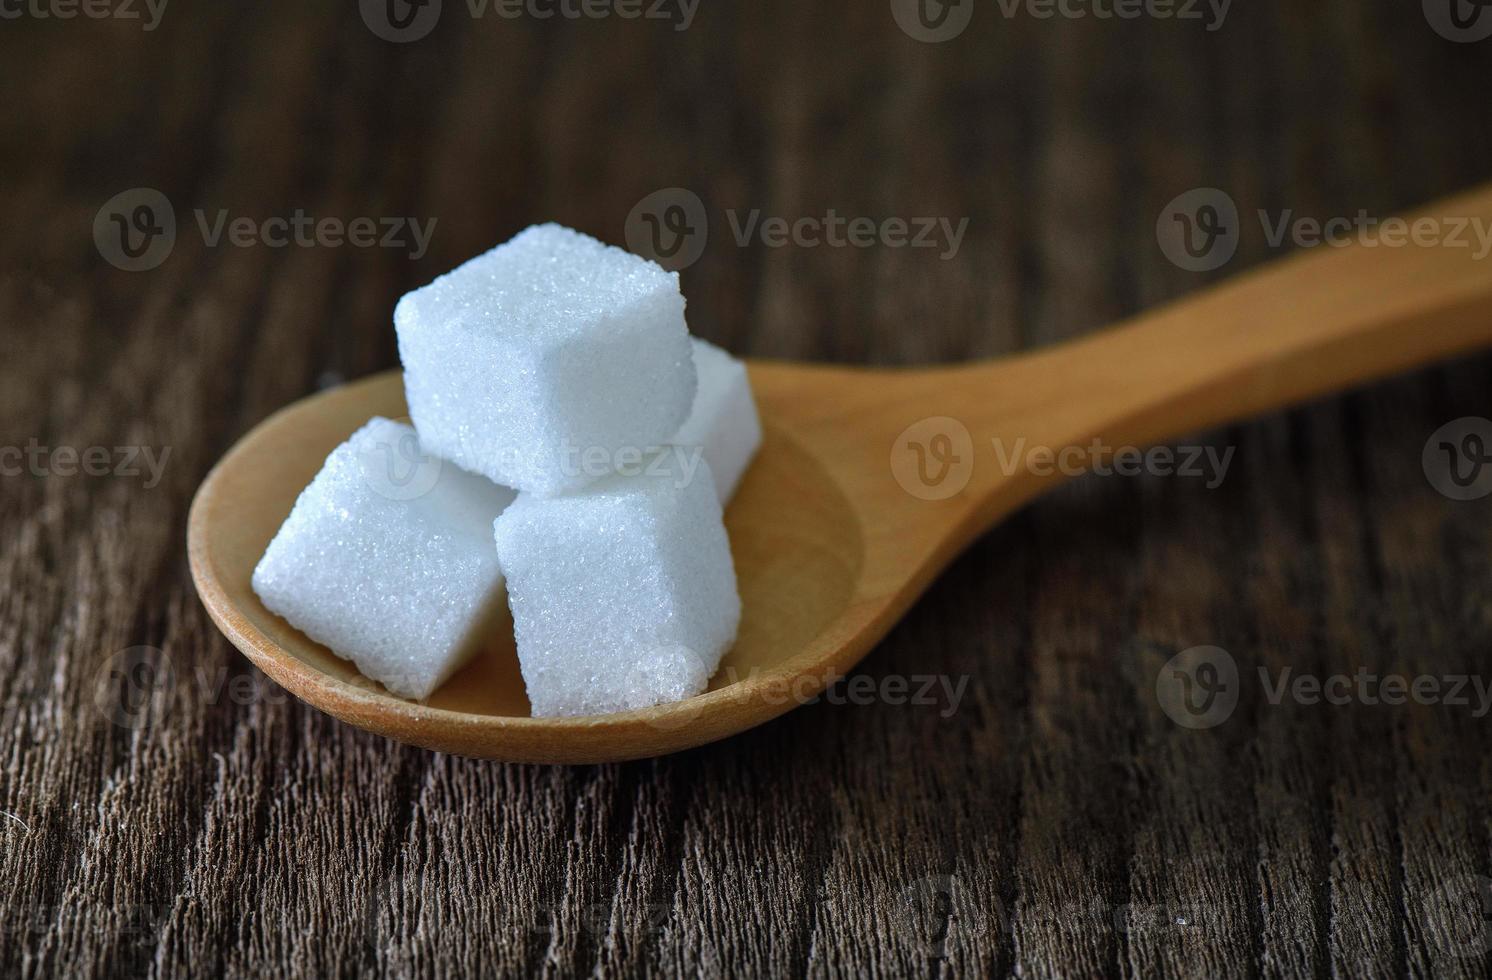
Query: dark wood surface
(1056,822)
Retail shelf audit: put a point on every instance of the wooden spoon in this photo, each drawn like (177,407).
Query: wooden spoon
(868,483)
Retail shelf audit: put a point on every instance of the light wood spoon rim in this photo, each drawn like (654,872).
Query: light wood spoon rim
(1295,329)
(621,735)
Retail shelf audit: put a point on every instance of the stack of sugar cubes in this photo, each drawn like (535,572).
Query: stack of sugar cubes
(572,449)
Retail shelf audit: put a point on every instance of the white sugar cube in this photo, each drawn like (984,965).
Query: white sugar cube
(387,559)
(723,422)
(623,594)
(536,362)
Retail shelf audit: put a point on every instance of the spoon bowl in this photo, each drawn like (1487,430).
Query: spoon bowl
(867,484)
(796,578)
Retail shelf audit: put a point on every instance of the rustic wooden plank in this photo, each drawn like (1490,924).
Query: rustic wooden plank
(1051,819)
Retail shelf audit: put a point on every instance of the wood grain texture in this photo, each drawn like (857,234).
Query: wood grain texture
(1057,822)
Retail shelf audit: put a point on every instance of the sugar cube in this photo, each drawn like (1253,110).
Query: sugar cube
(535,362)
(723,422)
(623,594)
(387,559)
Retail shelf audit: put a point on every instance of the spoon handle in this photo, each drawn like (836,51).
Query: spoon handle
(1303,327)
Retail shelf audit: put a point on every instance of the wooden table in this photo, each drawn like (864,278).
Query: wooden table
(1050,818)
